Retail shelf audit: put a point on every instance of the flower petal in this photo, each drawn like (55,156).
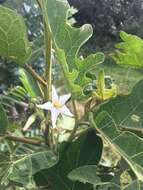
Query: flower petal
(54,116)
(64,110)
(54,94)
(45,106)
(64,98)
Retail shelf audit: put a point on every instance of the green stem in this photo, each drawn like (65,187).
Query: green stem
(76,121)
(48,50)
(48,70)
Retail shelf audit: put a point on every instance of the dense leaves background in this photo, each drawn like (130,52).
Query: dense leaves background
(122,122)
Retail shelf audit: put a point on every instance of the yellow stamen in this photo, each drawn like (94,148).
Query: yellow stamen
(57,104)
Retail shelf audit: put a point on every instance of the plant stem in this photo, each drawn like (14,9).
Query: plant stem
(76,122)
(48,60)
(82,132)
(23,140)
(48,49)
(49,69)
(34,74)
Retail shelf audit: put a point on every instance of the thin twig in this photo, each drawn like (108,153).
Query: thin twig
(82,132)
(23,140)
(34,74)
(76,121)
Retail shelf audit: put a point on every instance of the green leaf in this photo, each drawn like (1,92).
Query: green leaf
(71,76)
(31,119)
(86,65)
(29,84)
(85,174)
(129,51)
(89,174)
(127,110)
(3,121)
(68,38)
(77,78)
(85,150)
(66,123)
(134,185)
(102,93)
(69,41)
(24,163)
(126,144)
(108,186)
(17,93)
(14,43)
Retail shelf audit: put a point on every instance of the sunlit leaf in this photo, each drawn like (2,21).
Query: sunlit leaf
(127,110)
(30,121)
(102,92)
(69,41)
(129,51)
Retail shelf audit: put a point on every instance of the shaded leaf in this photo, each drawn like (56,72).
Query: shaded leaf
(13,37)
(126,144)
(134,185)
(29,84)
(25,162)
(85,174)
(3,120)
(84,151)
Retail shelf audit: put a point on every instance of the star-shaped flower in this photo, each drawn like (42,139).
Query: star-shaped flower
(57,106)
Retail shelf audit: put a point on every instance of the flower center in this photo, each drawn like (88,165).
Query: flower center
(57,104)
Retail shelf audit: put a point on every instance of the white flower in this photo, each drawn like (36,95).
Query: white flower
(57,106)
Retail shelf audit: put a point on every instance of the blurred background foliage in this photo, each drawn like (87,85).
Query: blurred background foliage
(107,18)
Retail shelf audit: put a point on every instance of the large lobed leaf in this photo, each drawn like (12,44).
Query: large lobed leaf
(85,150)
(14,43)
(127,111)
(125,143)
(22,164)
(89,174)
(69,40)
(129,51)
